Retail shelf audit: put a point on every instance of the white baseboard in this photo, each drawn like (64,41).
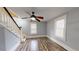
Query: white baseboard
(36,36)
(14,48)
(61,44)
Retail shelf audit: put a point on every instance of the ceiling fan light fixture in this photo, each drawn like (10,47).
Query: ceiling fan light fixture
(32,18)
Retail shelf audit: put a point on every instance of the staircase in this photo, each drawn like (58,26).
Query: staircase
(7,21)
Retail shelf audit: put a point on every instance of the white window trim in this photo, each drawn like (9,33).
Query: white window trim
(59,18)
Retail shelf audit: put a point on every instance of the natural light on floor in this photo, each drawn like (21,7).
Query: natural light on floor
(34,45)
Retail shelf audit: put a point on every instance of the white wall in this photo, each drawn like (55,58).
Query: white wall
(50,28)
(25,24)
(2,40)
(41,28)
(11,40)
(8,40)
(72,29)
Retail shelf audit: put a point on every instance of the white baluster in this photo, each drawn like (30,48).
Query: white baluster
(8,22)
(3,17)
(0,18)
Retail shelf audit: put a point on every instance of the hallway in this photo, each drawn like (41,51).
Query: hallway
(39,44)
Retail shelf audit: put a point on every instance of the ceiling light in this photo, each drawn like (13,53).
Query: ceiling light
(33,19)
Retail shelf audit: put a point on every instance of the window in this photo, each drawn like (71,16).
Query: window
(33,28)
(59,30)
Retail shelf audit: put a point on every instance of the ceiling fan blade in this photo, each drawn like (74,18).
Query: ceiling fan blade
(28,13)
(40,17)
(37,19)
(25,18)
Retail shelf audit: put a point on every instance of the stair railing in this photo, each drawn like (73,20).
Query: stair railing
(8,22)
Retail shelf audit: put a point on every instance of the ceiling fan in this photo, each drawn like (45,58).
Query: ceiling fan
(33,17)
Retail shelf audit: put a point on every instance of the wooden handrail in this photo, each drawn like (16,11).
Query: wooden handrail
(11,16)
(9,23)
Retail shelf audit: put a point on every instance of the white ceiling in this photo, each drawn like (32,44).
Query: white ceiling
(47,12)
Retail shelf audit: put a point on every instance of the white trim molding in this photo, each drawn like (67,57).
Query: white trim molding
(61,44)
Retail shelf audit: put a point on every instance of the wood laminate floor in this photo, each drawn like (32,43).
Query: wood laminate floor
(39,44)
